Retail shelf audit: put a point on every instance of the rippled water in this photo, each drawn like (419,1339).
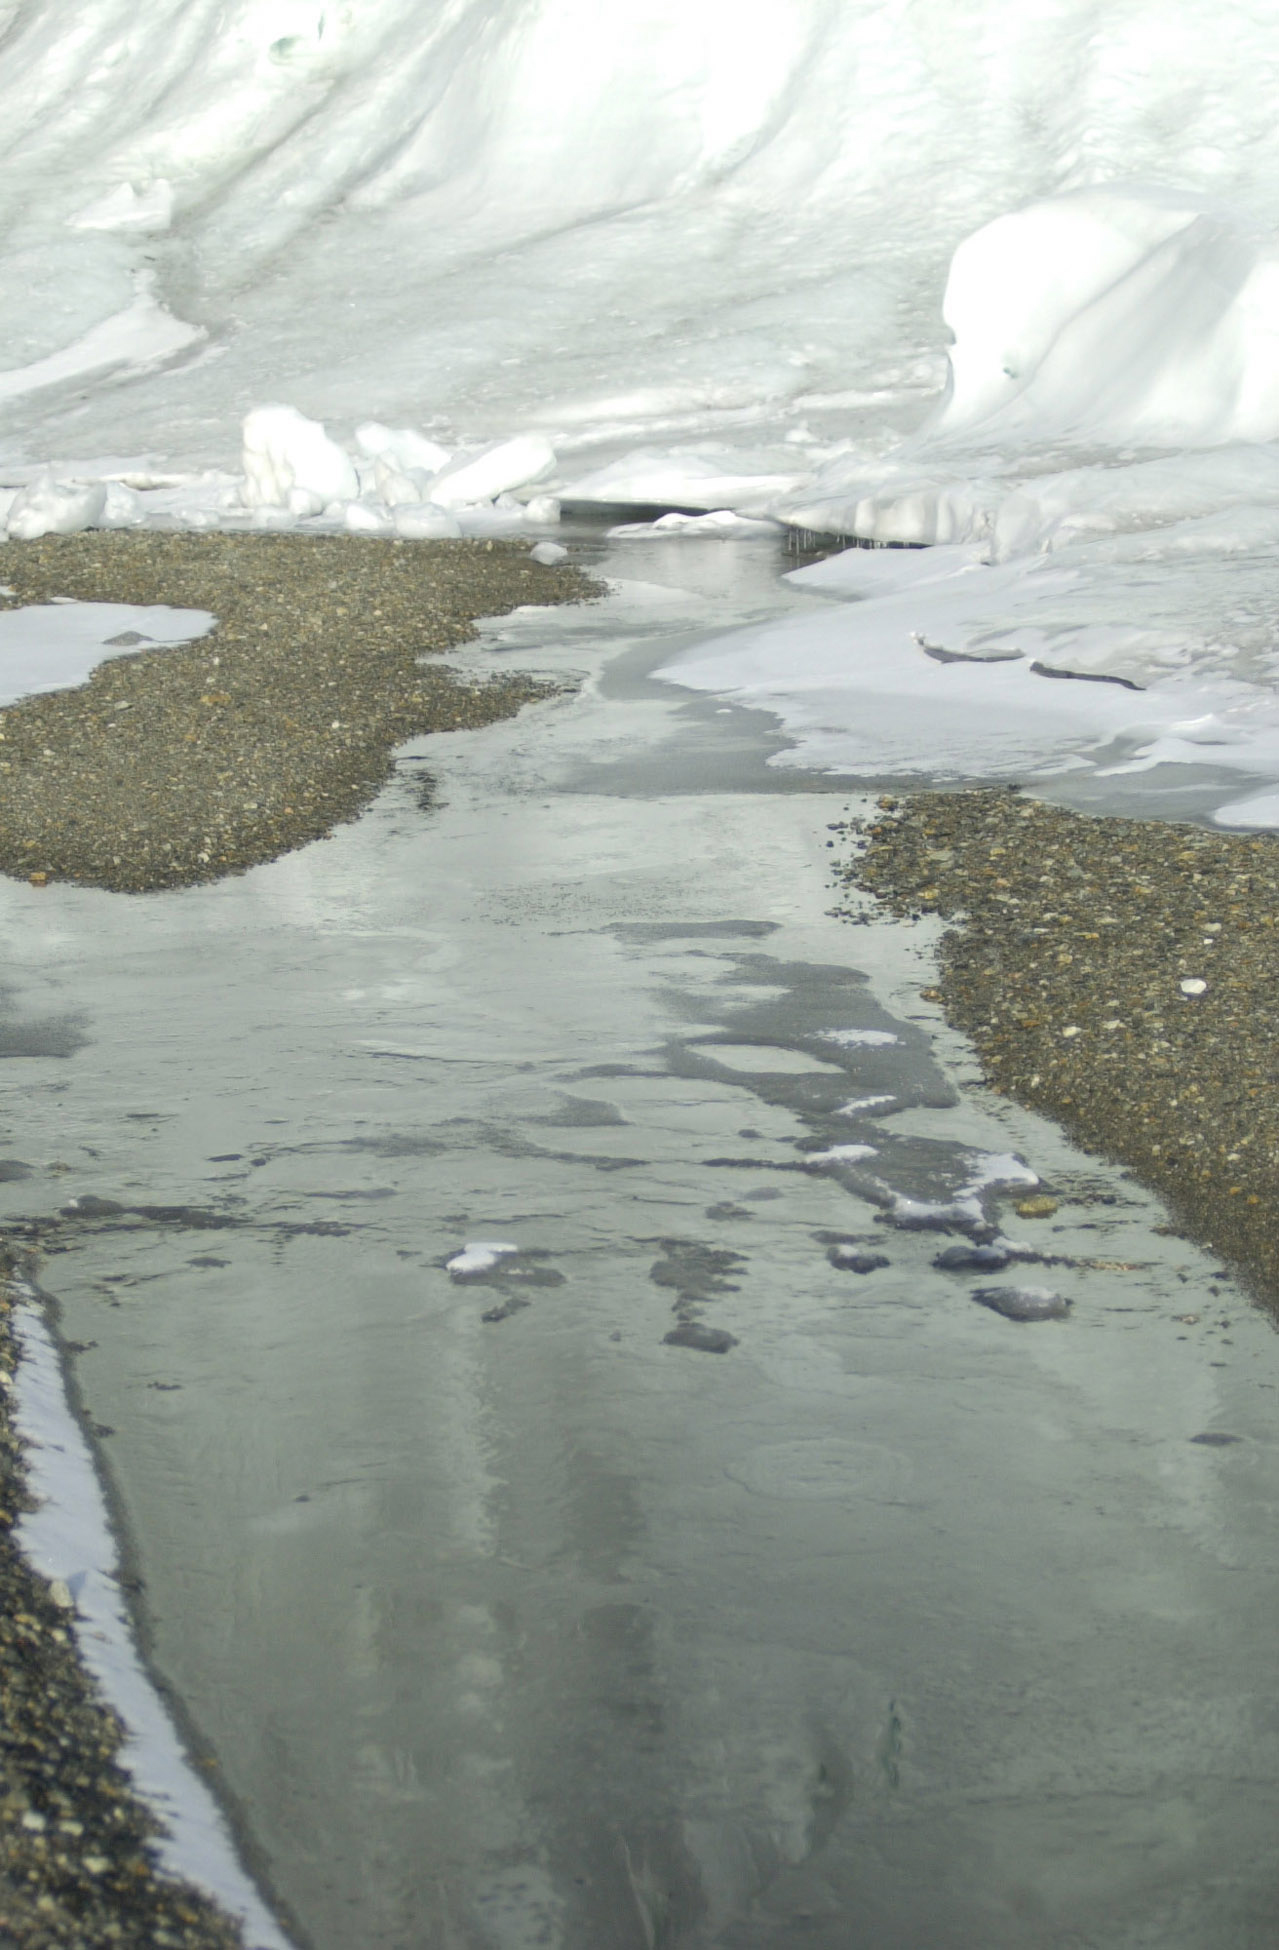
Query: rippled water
(513,1622)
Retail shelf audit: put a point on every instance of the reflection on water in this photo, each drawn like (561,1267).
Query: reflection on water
(514,1622)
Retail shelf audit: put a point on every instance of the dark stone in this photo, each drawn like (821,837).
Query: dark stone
(975,1259)
(1022,1302)
(708,1340)
(850,1260)
(507,1308)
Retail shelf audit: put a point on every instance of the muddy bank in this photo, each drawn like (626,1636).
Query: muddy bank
(1121,976)
(189,763)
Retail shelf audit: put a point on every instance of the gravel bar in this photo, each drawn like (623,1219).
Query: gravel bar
(1119,975)
(184,764)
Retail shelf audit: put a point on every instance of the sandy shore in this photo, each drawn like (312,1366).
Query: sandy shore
(184,764)
(1121,976)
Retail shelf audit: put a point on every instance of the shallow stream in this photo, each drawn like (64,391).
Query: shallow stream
(858,1613)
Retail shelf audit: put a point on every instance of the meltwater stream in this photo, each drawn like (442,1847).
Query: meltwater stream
(705,1567)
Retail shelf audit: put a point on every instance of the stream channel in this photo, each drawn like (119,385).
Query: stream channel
(895,1624)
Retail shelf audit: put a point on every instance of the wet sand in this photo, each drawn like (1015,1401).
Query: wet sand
(1119,975)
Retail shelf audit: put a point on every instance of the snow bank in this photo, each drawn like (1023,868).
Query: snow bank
(1117,314)
(689,256)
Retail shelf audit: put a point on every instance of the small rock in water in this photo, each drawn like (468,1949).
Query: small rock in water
(1039,1207)
(507,1308)
(1216,1439)
(974,1259)
(1023,1302)
(709,1340)
(851,1259)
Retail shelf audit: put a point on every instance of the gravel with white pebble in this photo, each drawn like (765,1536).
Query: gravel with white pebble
(1121,976)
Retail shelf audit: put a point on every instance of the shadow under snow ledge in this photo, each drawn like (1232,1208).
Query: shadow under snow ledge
(1119,975)
(181,765)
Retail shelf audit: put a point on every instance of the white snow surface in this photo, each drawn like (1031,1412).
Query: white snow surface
(55,646)
(954,272)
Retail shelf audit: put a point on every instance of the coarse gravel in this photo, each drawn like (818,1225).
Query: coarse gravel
(1119,975)
(181,765)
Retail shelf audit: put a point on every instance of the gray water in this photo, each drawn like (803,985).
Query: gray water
(509,1622)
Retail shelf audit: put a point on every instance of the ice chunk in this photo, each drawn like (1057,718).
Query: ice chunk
(864,1038)
(840,1154)
(398,489)
(48,506)
(123,507)
(722,525)
(478,1256)
(548,553)
(360,519)
(483,476)
(998,1168)
(283,450)
(401,447)
(542,510)
(426,523)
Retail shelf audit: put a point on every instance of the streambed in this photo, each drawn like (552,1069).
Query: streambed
(510,1620)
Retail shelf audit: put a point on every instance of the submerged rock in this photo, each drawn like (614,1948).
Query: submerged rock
(1023,1302)
(708,1340)
(851,1259)
(975,1259)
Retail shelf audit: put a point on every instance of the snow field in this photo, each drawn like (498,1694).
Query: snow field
(957,275)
